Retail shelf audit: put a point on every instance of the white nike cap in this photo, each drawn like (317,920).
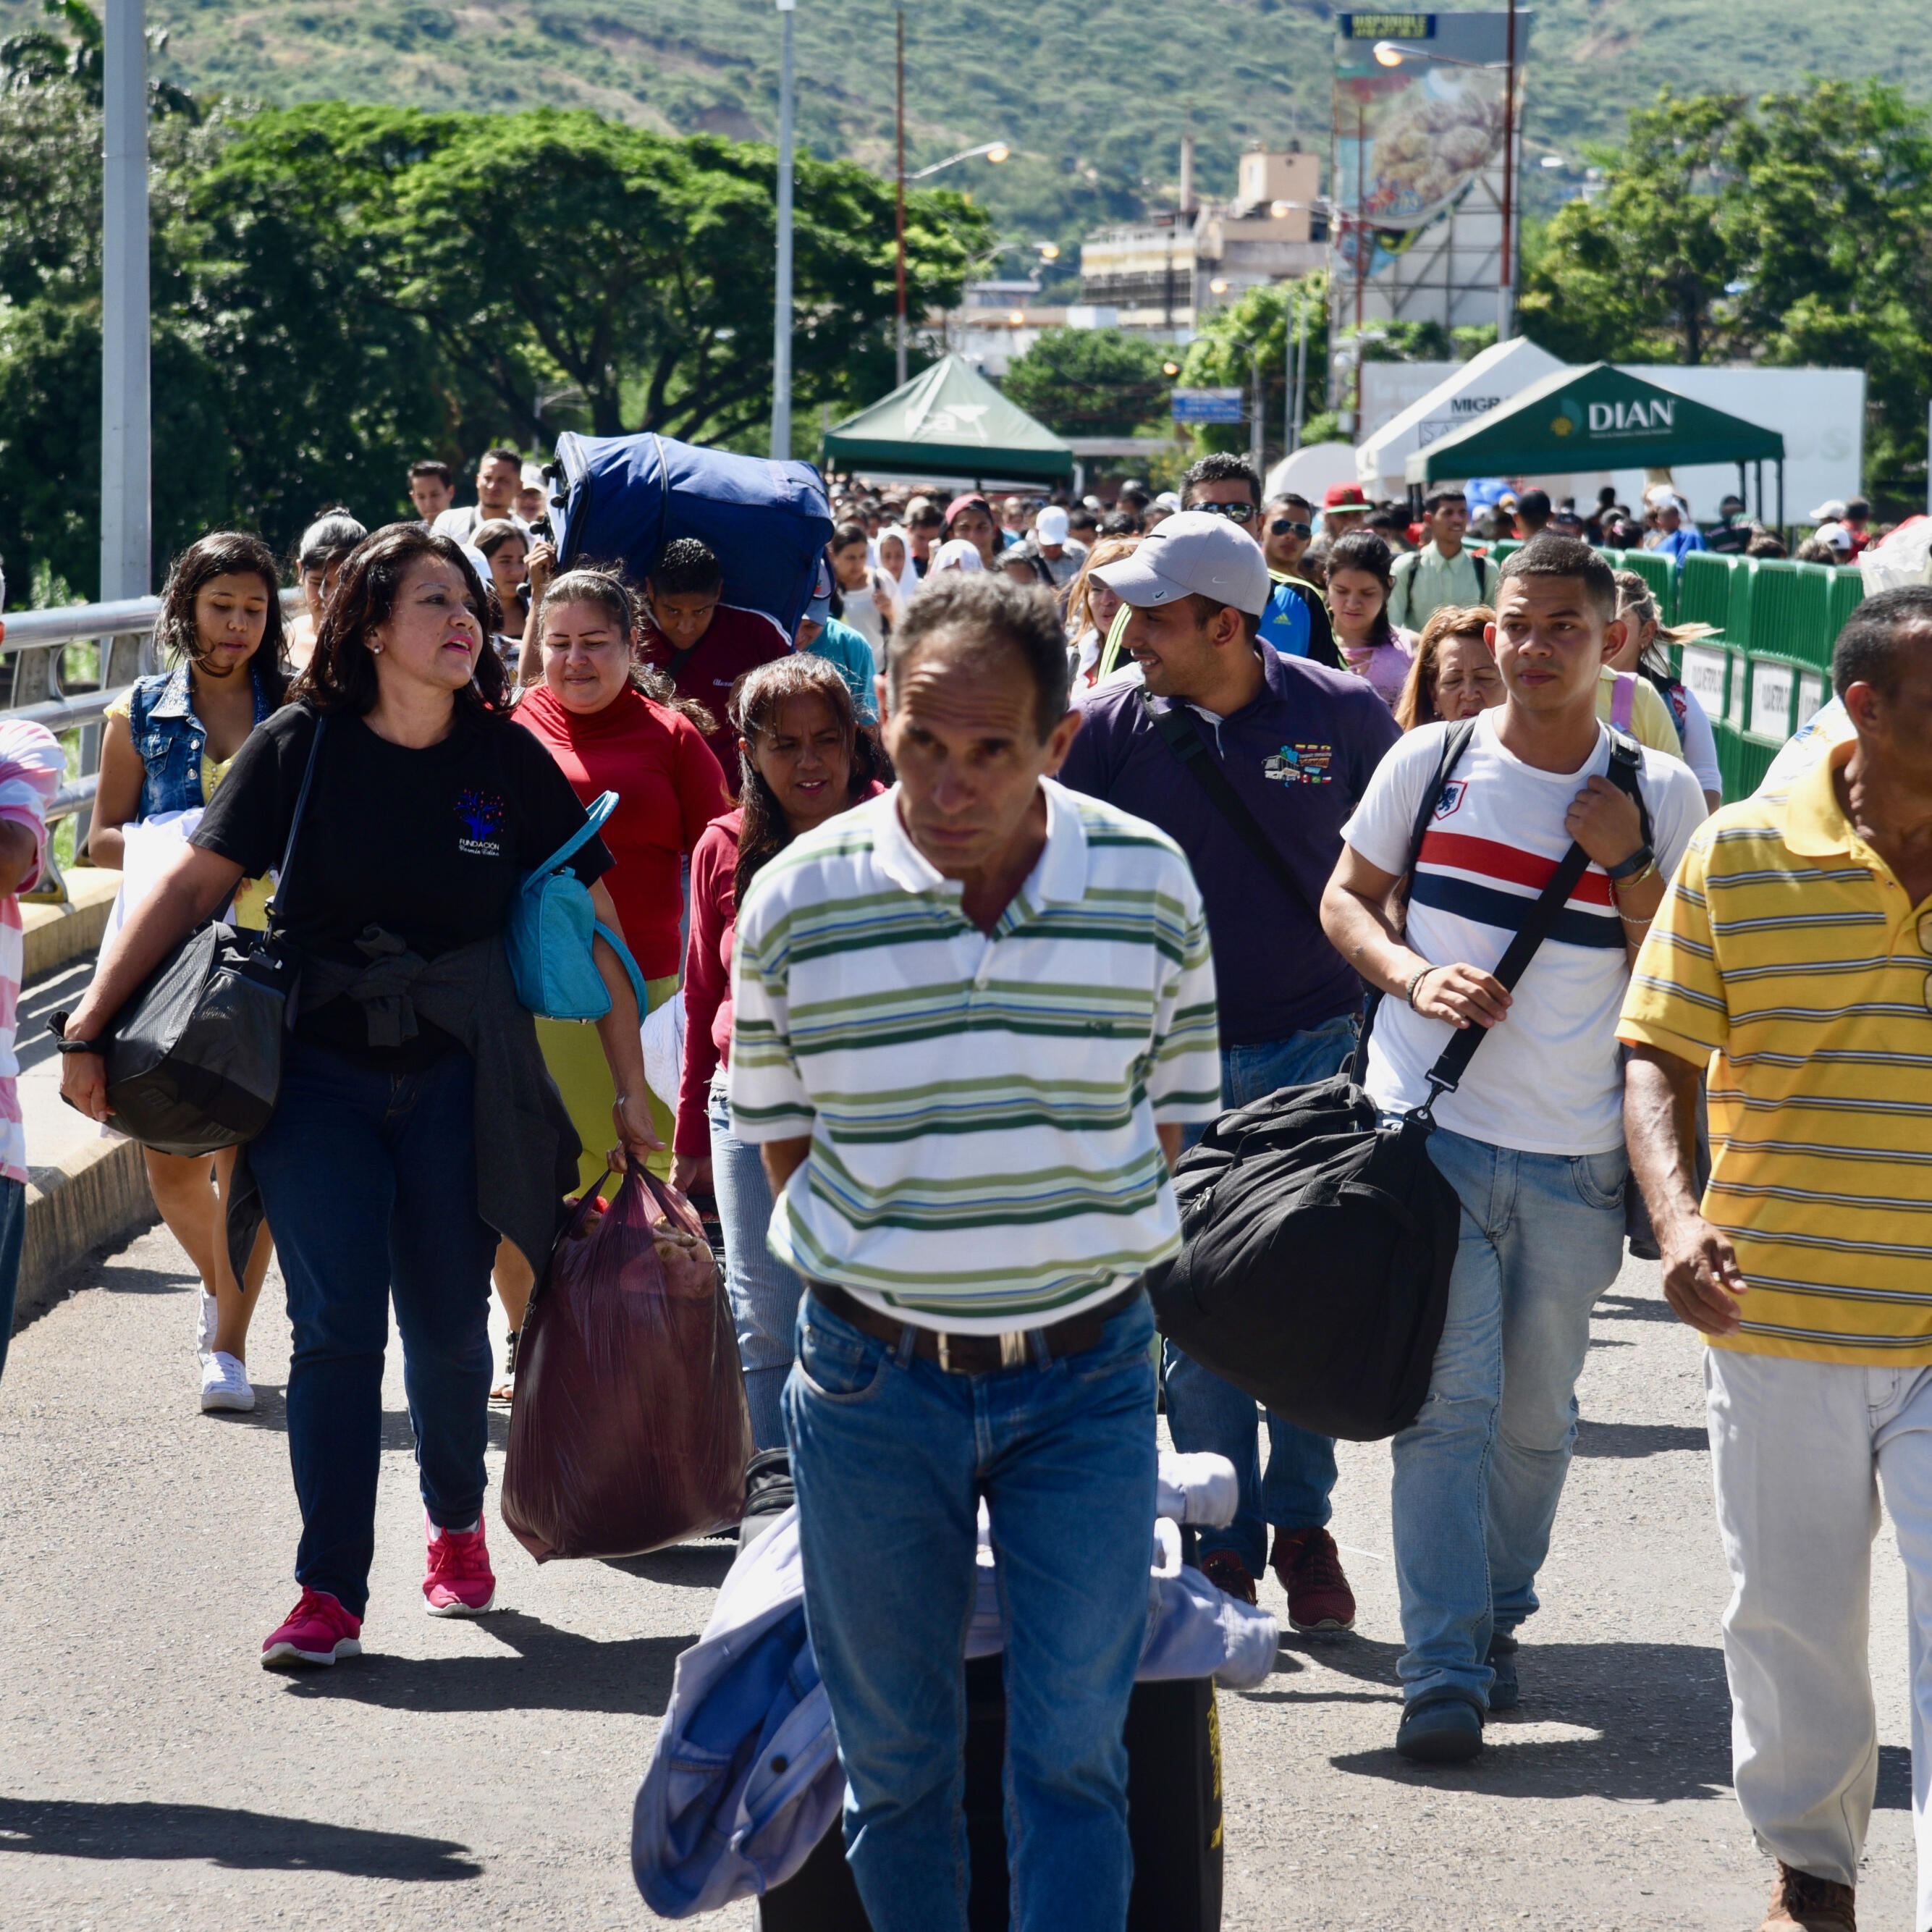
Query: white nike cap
(1194,553)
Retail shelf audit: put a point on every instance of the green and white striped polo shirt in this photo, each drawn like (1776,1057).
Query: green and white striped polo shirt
(981,1106)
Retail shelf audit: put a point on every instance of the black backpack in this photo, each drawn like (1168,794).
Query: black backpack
(1317,1242)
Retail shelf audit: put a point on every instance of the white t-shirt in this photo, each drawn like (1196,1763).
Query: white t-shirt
(1811,745)
(1547,1080)
(464,523)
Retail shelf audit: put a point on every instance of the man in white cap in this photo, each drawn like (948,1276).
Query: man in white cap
(1049,532)
(1295,743)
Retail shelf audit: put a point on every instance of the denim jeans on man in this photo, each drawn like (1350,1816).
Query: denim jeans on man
(1478,1474)
(1204,1412)
(764,1293)
(891,1455)
(369,1179)
(13,1235)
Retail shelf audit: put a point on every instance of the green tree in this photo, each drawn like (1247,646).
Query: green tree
(639,271)
(1795,230)
(1259,330)
(1091,382)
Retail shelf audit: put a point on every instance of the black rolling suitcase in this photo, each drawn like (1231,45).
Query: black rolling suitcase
(1174,1819)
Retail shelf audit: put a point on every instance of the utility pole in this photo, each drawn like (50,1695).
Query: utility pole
(1506,257)
(782,316)
(126,552)
(1255,448)
(899,267)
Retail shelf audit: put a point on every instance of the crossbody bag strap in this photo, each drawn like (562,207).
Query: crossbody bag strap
(1177,726)
(295,824)
(596,814)
(1626,760)
(1455,743)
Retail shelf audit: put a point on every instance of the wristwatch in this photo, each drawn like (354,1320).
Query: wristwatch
(1633,864)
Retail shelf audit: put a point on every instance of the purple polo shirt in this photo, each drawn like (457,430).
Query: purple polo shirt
(1299,757)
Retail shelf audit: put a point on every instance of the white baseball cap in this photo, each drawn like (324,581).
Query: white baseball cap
(1193,553)
(1835,534)
(1050,526)
(1832,511)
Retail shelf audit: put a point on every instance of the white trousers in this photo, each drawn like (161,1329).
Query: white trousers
(1798,1451)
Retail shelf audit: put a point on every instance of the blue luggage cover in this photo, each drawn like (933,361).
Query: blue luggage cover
(626,496)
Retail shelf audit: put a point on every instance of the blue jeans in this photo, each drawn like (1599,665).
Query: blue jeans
(1204,1412)
(12,1234)
(764,1293)
(1478,1474)
(891,1456)
(370,1182)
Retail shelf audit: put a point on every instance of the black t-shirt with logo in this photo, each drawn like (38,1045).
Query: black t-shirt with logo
(430,845)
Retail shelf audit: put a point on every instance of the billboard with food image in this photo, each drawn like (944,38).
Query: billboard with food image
(1418,126)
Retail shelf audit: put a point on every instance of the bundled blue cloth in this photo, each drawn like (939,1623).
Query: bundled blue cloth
(745,1779)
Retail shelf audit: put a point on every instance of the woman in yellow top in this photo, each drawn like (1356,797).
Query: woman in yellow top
(170,742)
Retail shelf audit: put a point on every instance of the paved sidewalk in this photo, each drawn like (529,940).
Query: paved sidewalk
(474,1775)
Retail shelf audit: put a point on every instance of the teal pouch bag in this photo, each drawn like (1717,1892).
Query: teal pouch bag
(551,926)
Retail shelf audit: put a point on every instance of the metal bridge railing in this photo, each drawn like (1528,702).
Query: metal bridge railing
(36,639)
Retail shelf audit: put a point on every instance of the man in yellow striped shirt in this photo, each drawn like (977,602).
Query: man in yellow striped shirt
(1795,944)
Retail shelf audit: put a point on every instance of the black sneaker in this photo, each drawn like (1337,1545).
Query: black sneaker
(1505,1694)
(1445,1729)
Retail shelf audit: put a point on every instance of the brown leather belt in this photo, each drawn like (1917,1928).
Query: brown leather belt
(980,1354)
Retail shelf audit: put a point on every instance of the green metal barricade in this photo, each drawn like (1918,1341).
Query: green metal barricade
(1771,705)
(1728,742)
(1774,596)
(1704,592)
(1847,593)
(1705,669)
(1811,635)
(1657,572)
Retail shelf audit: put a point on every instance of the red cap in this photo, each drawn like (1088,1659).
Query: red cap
(970,498)
(1344,497)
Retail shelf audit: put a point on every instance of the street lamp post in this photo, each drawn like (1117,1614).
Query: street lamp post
(782,306)
(995,151)
(126,556)
(899,265)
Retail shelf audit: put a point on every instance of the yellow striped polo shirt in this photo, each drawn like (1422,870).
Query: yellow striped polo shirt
(1785,946)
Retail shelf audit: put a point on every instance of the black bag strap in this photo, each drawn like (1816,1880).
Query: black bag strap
(1626,761)
(1455,743)
(294,825)
(1178,726)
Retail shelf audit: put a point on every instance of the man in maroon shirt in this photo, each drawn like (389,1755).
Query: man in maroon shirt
(703,644)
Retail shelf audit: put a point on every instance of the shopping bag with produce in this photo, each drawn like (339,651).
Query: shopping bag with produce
(629,1429)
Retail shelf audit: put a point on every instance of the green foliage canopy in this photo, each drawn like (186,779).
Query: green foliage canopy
(1091,382)
(1796,229)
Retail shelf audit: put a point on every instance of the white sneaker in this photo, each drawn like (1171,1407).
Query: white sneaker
(204,1330)
(225,1385)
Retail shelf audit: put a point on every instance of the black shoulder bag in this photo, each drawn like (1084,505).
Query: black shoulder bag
(1317,1242)
(194,1058)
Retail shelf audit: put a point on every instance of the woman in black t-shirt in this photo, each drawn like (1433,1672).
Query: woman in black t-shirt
(415,1123)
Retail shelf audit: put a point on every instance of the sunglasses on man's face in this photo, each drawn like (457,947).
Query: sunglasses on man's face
(1286,526)
(1237,513)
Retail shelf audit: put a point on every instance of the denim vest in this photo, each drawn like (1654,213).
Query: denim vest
(170,738)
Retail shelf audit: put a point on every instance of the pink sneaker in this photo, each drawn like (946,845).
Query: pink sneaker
(460,1582)
(317,1630)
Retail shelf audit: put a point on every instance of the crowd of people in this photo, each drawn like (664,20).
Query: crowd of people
(1049,833)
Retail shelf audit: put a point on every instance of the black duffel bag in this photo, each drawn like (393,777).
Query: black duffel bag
(1317,1241)
(194,1057)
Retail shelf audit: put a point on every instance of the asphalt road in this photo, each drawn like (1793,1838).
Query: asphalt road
(476,1773)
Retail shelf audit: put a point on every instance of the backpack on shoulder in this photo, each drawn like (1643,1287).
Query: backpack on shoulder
(1318,1237)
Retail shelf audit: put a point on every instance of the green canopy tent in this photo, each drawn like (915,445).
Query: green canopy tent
(948,421)
(1598,418)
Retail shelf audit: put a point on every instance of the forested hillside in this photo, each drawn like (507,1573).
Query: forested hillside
(1094,98)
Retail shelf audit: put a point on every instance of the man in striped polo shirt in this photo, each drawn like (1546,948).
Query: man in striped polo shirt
(972,1017)
(1796,945)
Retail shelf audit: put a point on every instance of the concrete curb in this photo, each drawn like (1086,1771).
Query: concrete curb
(98,1198)
(56,934)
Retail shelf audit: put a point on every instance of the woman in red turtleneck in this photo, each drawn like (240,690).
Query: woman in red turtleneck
(608,735)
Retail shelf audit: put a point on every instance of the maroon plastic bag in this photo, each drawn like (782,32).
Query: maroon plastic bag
(628,1429)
